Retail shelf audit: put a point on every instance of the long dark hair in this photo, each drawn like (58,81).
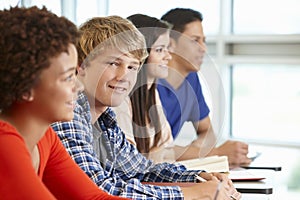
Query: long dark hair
(143,100)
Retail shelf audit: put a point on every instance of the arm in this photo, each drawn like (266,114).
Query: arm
(78,142)
(61,173)
(215,186)
(18,182)
(235,150)
(163,151)
(129,163)
(212,189)
(200,147)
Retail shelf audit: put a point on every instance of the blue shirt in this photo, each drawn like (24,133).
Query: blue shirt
(186,103)
(115,165)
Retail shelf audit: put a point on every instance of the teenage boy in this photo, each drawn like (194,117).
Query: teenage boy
(181,92)
(111,51)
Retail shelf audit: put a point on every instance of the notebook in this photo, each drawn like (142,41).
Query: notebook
(241,174)
(209,164)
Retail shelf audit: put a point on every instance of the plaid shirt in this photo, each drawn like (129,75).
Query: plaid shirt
(115,165)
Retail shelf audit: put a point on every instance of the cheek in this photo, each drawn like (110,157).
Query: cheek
(152,69)
(99,90)
(151,58)
(132,79)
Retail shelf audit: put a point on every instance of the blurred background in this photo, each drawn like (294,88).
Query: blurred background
(255,47)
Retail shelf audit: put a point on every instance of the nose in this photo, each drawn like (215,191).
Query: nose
(203,47)
(168,56)
(122,73)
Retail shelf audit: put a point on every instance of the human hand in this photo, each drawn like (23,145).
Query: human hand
(222,177)
(212,189)
(236,152)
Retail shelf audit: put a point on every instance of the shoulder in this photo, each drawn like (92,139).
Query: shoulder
(193,77)
(49,139)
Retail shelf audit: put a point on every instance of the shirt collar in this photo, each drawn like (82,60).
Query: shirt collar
(109,118)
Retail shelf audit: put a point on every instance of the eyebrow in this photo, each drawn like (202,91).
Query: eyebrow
(197,36)
(68,70)
(160,45)
(119,59)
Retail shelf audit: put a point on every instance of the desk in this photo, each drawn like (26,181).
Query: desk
(266,189)
(254,187)
(255,190)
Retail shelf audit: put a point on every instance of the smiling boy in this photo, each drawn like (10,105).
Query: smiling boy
(111,51)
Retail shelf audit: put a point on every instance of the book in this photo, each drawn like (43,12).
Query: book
(209,164)
(241,174)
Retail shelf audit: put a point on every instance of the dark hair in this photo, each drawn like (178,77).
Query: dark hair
(141,98)
(29,38)
(180,17)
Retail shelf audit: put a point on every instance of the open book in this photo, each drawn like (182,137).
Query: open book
(209,164)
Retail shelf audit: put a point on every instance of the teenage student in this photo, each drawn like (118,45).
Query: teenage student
(38,87)
(141,116)
(181,93)
(111,51)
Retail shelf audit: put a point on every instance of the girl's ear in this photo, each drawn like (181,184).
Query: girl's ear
(80,70)
(28,96)
(172,45)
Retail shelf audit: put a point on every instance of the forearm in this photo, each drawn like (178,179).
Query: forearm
(186,152)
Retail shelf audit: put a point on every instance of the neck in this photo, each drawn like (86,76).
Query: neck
(96,111)
(150,82)
(31,127)
(176,74)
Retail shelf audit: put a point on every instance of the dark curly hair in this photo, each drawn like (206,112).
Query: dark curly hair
(29,38)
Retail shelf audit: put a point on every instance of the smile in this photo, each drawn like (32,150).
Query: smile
(118,89)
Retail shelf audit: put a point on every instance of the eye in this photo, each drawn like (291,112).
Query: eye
(70,77)
(195,40)
(159,49)
(133,67)
(113,63)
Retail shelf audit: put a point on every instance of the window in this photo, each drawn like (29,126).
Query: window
(54,5)
(85,10)
(265,102)
(156,8)
(266,17)
(6,4)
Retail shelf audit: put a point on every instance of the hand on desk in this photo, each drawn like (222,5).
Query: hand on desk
(235,150)
(217,186)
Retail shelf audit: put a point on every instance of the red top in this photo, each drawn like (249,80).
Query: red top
(58,176)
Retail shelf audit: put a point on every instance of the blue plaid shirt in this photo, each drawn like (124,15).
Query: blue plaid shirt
(115,165)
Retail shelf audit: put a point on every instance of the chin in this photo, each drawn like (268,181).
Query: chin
(67,117)
(115,104)
(162,75)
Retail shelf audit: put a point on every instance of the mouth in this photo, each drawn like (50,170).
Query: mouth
(163,66)
(118,89)
(199,59)
(71,104)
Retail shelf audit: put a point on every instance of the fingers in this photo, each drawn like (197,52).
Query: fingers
(206,176)
(222,192)
(236,196)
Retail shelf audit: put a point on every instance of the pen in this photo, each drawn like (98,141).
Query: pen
(232,197)
(217,192)
(199,178)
